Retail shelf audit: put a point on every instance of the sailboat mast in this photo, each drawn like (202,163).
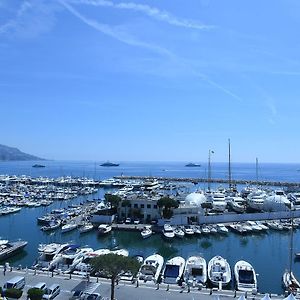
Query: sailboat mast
(256,168)
(291,244)
(209,170)
(229,164)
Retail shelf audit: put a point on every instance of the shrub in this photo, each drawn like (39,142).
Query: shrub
(13,293)
(35,294)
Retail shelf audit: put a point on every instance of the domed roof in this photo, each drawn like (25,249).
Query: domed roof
(195,199)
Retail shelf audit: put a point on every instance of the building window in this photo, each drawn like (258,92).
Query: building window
(148,205)
(142,205)
(155,206)
(135,205)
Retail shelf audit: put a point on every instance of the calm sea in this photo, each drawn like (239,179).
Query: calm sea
(268,252)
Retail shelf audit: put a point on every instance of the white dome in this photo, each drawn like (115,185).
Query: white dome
(276,203)
(195,199)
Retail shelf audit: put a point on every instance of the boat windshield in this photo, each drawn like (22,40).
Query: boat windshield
(171,271)
(197,271)
(246,276)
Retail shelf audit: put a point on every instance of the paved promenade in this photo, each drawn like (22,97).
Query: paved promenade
(124,290)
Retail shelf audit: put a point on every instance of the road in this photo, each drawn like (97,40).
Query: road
(123,291)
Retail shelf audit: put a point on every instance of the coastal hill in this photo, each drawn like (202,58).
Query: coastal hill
(14,154)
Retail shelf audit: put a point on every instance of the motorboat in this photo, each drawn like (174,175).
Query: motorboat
(221,228)
(51,226)
(188,230)
(109,164)
(146,232)
(195,272)
(245,277)
(179,232)
(8,248)
(290,282)
(219,271)
(68,227)
(236,203)
(256,199)
(67,259)
(151,268)
(47,254)
(218,201)
(104,229)
(173,270)
(193,165)
(86,228)
(168,232)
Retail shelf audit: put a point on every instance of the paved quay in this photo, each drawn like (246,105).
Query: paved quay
(124,290)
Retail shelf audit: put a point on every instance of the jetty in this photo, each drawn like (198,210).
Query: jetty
(213,180)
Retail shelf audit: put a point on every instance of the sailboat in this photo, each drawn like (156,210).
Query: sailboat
(290,282)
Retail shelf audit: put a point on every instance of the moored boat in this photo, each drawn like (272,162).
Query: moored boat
(219,271)
(195,273)
(146,232)
(245,277)
(151,268)
(8,248)
(104,229)
(173,270)
(168,232)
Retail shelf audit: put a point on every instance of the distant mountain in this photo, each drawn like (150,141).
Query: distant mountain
(14,154)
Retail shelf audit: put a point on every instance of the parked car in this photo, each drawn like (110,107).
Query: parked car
(128,221)
(93,296)
(51,292)
(77,295)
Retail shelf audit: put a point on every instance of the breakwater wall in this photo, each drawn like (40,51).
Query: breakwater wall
(213,180)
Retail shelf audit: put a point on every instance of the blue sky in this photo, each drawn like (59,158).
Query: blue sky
(151,80)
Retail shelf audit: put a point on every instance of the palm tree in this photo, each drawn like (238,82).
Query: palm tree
(112,265)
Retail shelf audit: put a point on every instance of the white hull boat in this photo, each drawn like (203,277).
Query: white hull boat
(146,232)
(104,229)
(151,268)
(219,272)
(245,277)
(195,273)
(173,270)
(168,232)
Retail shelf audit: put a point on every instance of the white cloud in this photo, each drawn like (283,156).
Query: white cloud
(32,18)
(152,12)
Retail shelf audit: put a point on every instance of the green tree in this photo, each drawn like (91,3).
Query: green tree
(111,265)
(13,293)
(35,294)
(167,204)
(114,200)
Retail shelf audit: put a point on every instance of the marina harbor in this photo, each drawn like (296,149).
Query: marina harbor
(207,239)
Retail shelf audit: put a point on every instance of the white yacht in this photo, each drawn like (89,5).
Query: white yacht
(195,273)
(188,230)
(236,203)
(104,229)
(218,201)
(47,253)
(86,228)
(146,232)
(173,270)
(151,268)
(168,232)
(221,228)
(179,232)
(219,271)
(245,277)
(68,227)
(256,199)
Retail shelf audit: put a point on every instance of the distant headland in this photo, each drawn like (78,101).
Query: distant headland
(13,154)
